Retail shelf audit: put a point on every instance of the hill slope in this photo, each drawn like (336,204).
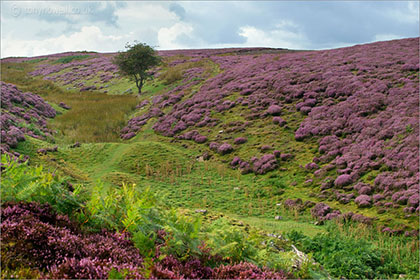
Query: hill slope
(253,133)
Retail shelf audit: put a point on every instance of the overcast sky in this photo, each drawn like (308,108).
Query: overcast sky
(37,27)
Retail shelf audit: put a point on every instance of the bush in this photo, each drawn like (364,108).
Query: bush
(229,242)
(22,182)
(353,257)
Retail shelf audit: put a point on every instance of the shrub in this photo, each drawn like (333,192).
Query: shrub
(229,242)
(353,257)
(224,149)
(22,182)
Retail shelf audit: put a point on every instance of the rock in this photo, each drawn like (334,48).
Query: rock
(64,106)
(75,145)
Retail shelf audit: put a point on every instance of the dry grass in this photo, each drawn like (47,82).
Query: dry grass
(94,117)
(176,73)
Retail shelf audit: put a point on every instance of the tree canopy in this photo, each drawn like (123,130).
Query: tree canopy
(137,61)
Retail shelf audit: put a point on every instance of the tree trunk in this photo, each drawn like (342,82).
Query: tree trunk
(139,83)
(140,86)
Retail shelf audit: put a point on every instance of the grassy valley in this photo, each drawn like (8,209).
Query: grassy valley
(153,167)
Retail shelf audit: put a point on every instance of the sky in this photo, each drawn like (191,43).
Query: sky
(32,28)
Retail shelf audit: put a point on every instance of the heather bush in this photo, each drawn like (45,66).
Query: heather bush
(264,164)
(224,148)
(245,270)
(34,236)
(240,140)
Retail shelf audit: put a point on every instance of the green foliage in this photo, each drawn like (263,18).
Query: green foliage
(136,62)
(115,274)
(32,127)
(230,242)
(121,208)
(22,182)
(70,58)
(352,258)
(36,60)
(144,242)
(183,235)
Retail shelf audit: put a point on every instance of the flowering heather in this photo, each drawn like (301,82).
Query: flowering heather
(361,103)
(246,271)
(225,149)
(240,140)
(264,164)
(69,73)
(34,236)
(22,113)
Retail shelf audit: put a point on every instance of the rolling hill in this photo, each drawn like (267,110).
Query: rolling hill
(275,140)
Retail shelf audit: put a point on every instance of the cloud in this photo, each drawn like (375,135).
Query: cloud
(286,34)
(167,37)
(178,10)
(207,24)
(387,37)
(88,38)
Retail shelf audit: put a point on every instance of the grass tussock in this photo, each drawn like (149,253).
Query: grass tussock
(176,73)
(94,117)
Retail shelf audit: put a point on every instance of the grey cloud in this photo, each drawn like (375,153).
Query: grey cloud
(178,10)
(324,24)
(328,23)
(216,23)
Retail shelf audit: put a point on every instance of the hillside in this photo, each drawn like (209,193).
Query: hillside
(274,139)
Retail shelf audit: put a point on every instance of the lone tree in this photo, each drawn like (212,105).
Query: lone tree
(136,62)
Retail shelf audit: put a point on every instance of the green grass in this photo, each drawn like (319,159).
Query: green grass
(70,58)
(94,118)
(171,168)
